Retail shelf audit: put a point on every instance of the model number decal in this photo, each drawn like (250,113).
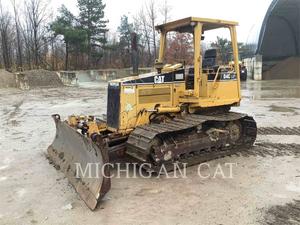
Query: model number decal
(226,76)
(159,79)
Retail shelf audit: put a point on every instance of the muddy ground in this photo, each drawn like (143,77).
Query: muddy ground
(265,188)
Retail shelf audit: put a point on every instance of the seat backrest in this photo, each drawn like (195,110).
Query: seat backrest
(210,58)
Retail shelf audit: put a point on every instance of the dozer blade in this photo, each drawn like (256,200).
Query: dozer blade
(82,161)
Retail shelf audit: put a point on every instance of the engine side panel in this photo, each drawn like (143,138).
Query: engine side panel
(140,95)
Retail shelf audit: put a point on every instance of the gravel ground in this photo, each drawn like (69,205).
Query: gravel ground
(265,184)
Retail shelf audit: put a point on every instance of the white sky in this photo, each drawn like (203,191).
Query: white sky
(249,13)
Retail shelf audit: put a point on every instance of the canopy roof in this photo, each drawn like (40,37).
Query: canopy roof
(185,25)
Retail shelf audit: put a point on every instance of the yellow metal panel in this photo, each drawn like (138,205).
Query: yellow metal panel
(154,94)
(212,102)
(203,86)
(178,90)
(154,91)
(154,99)
(162,47)
(223,90)
(236,59)
(137,104)
(174,24)
(215,21)
(128,108)
(197,59)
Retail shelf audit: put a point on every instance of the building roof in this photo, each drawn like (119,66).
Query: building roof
(280,31)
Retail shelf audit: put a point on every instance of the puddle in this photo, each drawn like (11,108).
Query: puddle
(269,89)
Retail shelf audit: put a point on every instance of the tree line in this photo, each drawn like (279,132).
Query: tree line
(32,37)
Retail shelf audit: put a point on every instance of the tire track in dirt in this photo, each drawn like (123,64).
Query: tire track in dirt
(278,130)
(288,214)
(16,109)
(265,149)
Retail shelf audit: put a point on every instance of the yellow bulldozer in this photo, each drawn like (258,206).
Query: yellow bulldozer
(159,118)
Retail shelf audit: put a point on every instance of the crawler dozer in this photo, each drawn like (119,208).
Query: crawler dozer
(159,118)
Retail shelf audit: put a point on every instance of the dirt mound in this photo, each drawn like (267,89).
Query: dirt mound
(7,79)
(38,78)
(285,69)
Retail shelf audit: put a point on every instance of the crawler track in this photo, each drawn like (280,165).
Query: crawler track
(191,139)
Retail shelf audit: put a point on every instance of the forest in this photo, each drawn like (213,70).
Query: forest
(32,37)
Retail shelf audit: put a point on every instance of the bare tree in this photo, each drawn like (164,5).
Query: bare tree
(27,42)
(142,27)
(165,11)
(36,14)
(6,36)
(27,37)
(151,12)
(144,24)
(18,37)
